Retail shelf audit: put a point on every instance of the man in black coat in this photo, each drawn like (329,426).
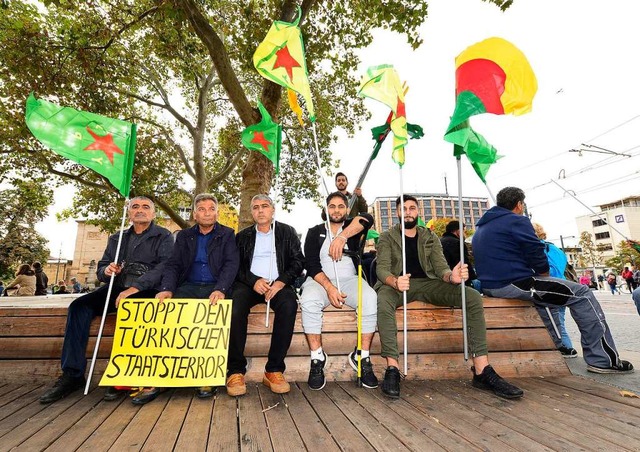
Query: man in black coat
(451,248)
(138,269)
(270,261)
(42,281)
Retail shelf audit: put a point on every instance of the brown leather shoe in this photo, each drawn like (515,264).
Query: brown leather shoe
(236,385)
(276,382)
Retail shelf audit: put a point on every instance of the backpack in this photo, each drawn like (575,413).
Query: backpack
(611,279)
(557,260)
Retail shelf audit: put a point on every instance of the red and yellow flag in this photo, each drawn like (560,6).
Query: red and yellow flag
(492,76)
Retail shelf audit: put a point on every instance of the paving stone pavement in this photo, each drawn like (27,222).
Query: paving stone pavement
(624,321)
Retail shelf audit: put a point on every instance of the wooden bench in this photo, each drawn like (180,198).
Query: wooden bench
(32,331)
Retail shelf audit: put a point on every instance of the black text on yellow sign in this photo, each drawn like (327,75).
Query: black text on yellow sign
(176,343)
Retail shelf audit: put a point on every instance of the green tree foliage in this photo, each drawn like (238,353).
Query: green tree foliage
(22,207)
(625,254)
(182,70)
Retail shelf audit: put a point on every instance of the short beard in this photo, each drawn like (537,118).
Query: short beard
(410,224)
(341,220)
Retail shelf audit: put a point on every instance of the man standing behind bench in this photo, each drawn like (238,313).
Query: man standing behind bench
(203,265)
(428,279)
(144,250)
(268,268)
(511,263)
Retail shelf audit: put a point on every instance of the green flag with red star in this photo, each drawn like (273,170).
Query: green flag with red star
(280,58)
(105,145)
(264,137)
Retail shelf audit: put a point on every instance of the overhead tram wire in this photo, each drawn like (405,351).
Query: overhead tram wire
(606,184)
(561,153)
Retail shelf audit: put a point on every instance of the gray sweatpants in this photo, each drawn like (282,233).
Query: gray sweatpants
(597,343)
(314,299)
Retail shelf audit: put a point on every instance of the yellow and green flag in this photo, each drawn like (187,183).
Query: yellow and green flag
(382,83)
(105,145)
(280,58)
(264,137)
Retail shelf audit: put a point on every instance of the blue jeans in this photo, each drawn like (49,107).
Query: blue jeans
(598,346)
(558,319)
(79,316)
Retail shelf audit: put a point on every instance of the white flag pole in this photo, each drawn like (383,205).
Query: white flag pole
(106,302)
(326,190)
(404,272)
(465,339)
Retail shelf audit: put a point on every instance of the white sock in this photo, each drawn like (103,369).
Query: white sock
(317,354)
(364,354)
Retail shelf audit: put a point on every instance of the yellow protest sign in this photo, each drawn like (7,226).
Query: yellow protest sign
(180,342)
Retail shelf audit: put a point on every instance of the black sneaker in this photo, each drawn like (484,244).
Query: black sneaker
(391,382)
(491,381)
(623,367)
(113,393)
(316,373)
(65,385)
(368,378)
(568,352)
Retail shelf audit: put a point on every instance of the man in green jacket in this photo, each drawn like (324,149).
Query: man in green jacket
(428,278)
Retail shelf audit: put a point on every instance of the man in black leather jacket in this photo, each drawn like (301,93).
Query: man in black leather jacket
(145,249)
(270,261)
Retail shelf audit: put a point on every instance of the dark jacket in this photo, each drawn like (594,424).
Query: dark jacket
(451,251)
(41,282)
(221,251)
(289,258)
(316,236)
(360,206)
(154,250)
(506,249)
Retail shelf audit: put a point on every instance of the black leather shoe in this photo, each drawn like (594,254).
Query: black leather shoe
(147,395)
(65,385)
(391,382)
(205,392)
(112,393)
(491,381)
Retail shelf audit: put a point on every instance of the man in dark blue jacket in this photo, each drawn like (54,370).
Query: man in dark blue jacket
(138,269)
(203,264)
(511,263)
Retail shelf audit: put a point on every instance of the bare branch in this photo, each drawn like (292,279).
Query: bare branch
(168,210)
(221,61)
(229,165)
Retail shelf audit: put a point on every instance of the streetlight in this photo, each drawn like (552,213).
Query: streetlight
(565,237)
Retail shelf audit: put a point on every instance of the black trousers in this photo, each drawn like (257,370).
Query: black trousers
(285,307)
(79,316)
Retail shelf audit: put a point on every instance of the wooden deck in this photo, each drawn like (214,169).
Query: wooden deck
(557,413)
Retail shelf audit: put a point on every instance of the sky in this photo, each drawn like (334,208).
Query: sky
(583,53)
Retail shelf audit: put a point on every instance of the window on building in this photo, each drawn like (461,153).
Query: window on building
(599,222)
(439,211)
(602,235)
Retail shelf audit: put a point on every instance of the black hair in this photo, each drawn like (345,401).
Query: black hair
(453,226)
(509,197)
(406,198)
(338,174)
(339,195)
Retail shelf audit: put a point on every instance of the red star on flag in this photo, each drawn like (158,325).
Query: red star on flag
(400,111)
(103,143)
(258,138)
(285,60)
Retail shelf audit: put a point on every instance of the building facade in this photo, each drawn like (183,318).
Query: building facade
(617,221)
(432,206)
